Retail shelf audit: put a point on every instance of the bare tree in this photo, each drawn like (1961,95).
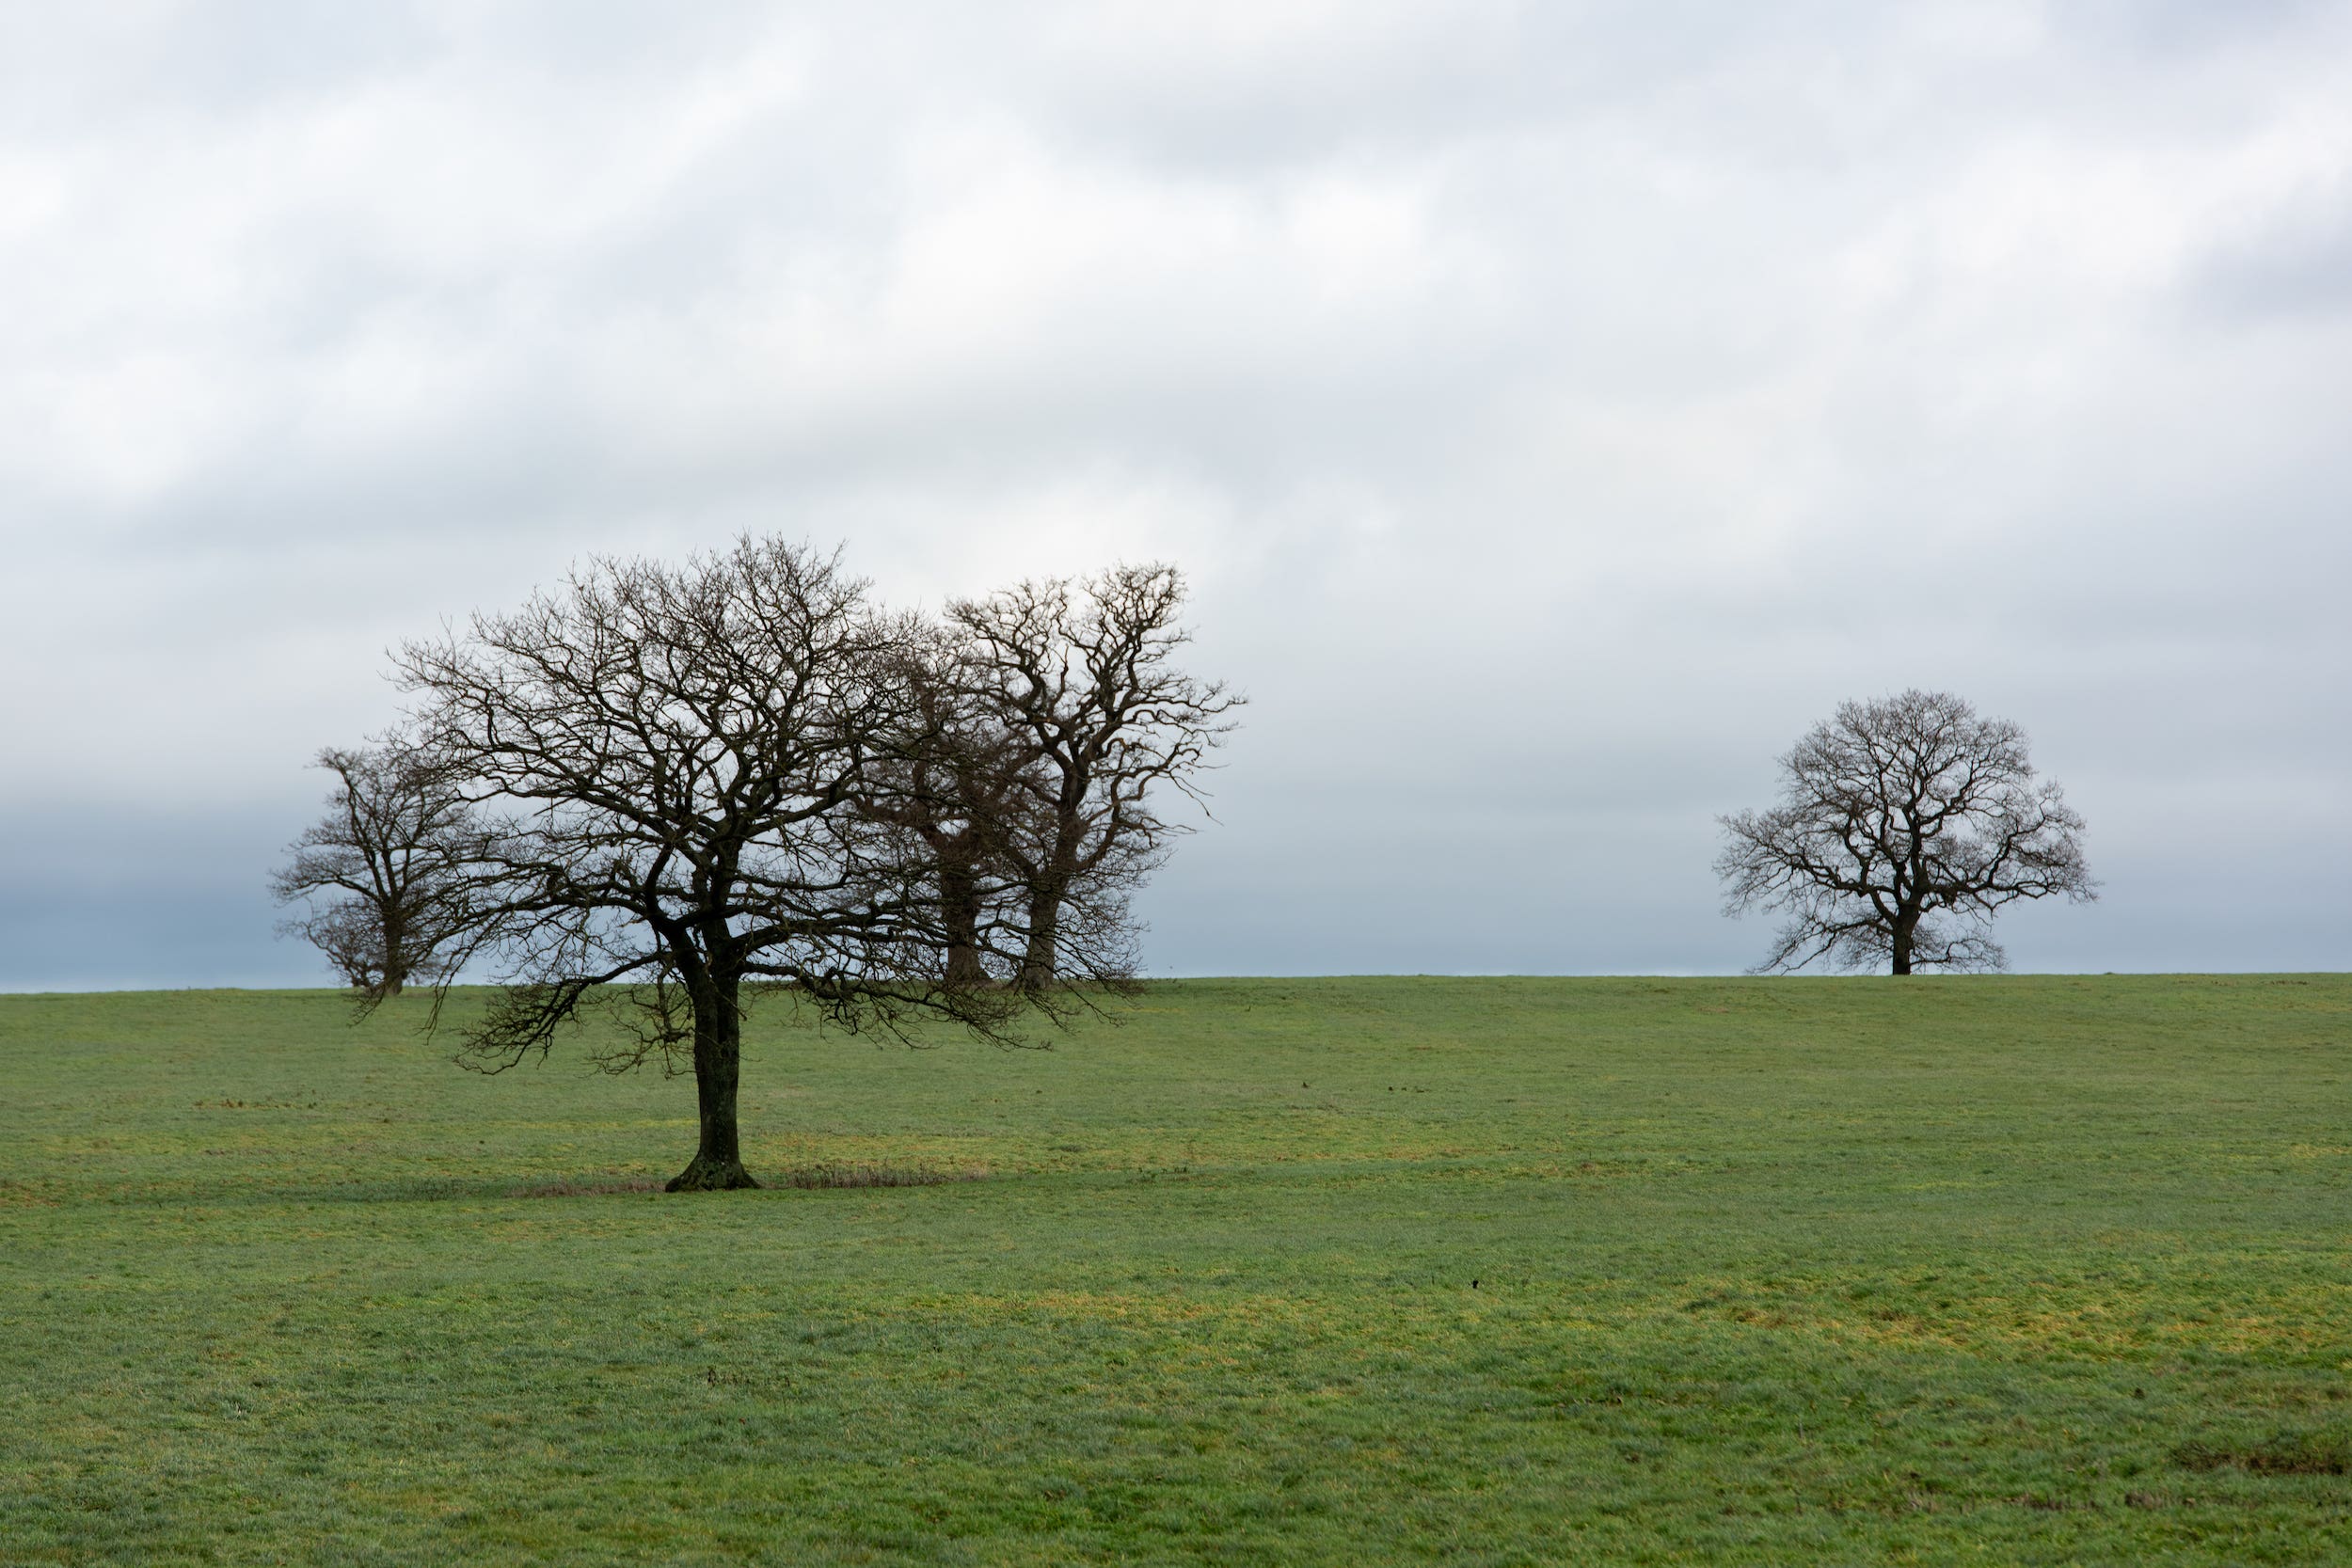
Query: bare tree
(1905,827)
(677,758)
(384,875)
(1082,675)
(958,792)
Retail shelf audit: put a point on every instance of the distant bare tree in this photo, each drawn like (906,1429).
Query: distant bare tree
(679,760)
(385,873)
(1904,826)
(955,792)
(1082,675)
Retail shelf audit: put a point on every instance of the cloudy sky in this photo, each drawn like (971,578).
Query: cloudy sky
(1557,407)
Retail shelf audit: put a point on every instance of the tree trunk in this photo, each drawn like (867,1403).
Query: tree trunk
(395,953)
(717,1163)
(1037,958)
(1903,925)
(960,900)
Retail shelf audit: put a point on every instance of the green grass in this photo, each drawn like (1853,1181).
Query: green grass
(1479,1272)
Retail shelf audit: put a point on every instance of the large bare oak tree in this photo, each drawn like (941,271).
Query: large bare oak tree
(682,765)
(1904,826)
(385,876)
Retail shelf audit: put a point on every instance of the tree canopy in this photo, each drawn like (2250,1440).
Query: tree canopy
(1904,826)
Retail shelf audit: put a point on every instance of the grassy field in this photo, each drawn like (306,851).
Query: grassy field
(1479,1272)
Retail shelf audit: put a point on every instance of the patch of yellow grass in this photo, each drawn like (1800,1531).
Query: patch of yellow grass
(2097,1331)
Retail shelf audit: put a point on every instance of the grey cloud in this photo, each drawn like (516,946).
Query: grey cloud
(1559,407)
(2298,269)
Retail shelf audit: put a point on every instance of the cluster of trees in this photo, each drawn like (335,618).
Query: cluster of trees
(658,790)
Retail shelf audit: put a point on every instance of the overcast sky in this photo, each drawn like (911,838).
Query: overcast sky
(1558,408)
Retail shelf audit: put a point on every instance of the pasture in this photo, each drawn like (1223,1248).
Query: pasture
(2029,1270)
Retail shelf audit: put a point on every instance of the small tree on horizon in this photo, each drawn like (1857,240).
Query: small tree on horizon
(1904,826)
(384,873)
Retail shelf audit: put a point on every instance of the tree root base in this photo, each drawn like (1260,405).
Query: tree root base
(710,1175)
